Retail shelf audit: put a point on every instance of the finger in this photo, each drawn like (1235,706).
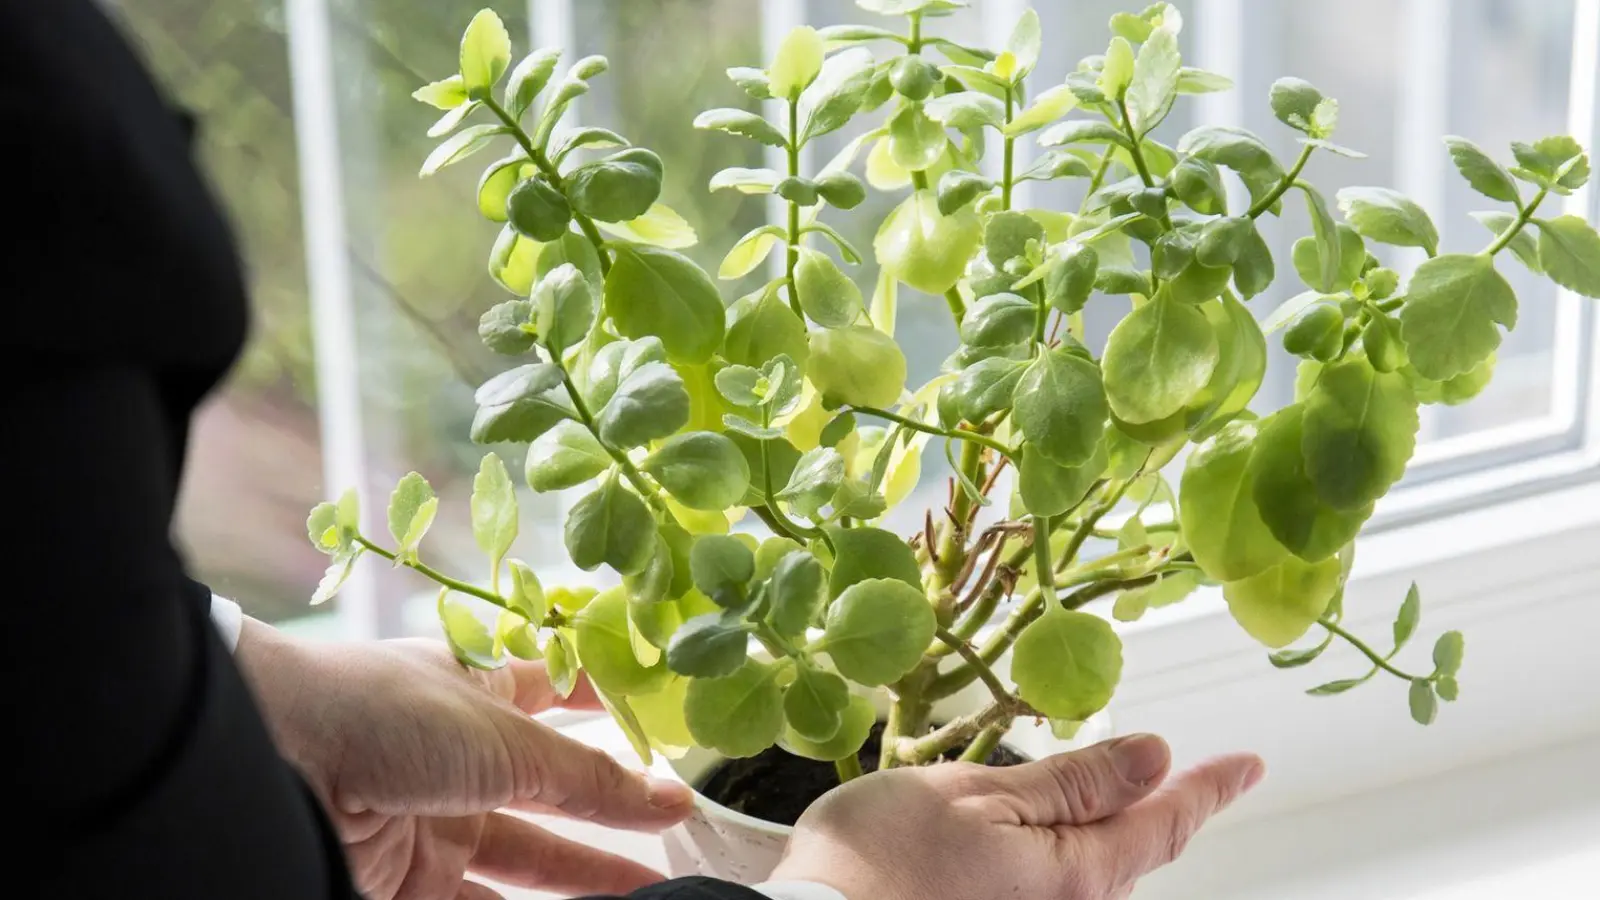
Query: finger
(518,853)
(471,890)
(533,693)
(1080,787)
(553,771)
(1154,833)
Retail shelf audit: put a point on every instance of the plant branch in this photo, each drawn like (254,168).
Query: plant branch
(793,149)
(554,176)
(933,745)
(629,470)
(1282,187)
(1096,181)
(914,425)
(1524,214)
(985,674)
(983,745)
(1366,651)
(460,587)
(848,768)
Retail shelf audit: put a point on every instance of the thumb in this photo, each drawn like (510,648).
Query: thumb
(1081,787)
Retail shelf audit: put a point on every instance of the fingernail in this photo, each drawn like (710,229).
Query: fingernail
(1253,776)
(1139,758)
(664,793)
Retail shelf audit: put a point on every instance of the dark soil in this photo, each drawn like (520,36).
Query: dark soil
(777,786)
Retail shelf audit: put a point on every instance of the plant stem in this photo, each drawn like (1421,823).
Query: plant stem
(848,768)
(1133,145)
(985,674)
(931,746)
(1095,182)
(958,306)
(553,175)
(1045,570)
(919,180)
(460,587)
(1366,651)
(1282,187)
(1008,160)
(984,744)
(793,148)
(1523,215)
(629,470)
(958,434)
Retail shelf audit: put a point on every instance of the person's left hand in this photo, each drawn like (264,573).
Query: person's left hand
(414,757)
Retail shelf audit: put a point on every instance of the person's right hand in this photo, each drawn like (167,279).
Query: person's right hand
(1079,826)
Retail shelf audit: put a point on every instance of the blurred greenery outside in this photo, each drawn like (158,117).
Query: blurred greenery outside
(417,246)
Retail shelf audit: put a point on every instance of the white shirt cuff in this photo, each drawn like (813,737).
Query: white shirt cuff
(797,890)
(229,619)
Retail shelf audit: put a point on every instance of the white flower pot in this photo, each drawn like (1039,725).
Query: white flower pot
(721,843)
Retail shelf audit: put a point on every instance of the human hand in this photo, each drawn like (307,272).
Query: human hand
(1079,826)
(413,756)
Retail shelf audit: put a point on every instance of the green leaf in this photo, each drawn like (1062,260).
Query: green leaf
(701,470)
(459,146)
(653,291)
(1569,252)
(1447,688)
(1424,705)
(1380,341)
(987,387)
(709,646)
(1068,285)
(620,187)
(615,361)
(452,120)
(1486,176)
(855,725)
(1278,605)
(862,554)
(738,715)
(1056,164)
(957,188)
(743,123)
(1242,354)
(1542,163)
(1239,150)
(527,594)
(797,63)
(529,78)
(1294,101)
(1221,523)
(827,295)
(605,647)
(1024,44)
(966,111)
(564,457)
(494,509)
(1388,217)
(1200,81)
(563,305)
(660,226)
(650,403)
(1060,407)
(814,481)
(1448,651)
(468,638)
(446,93)
(857,365)
(485,53)
(1452,307)
(520,383)
(1294,659)
(1329,243)
(916,142)
(1067,664)
(877,630)
(998,321)
(496,184)
(1336,687)
(610,526)
(836,93)
(924,248)
(1048,489)
(1405,623)
(1117,72)
(507,328)
(412,507)
(797,590)
(721,563)
(1155,81)
(1524,245)
(1253,270)
(1359,431)
(1287,500)
(1049,106)
(323,530)
(1157,360)
(1310,262)
(572,249)
(814,704)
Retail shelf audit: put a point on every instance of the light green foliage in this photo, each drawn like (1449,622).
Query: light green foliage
(687,418)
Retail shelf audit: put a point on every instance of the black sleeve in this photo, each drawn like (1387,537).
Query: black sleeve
(140,766)
(691,889)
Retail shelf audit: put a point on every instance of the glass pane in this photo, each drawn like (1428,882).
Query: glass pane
(255,464)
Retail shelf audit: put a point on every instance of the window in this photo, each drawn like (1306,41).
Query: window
(368,281)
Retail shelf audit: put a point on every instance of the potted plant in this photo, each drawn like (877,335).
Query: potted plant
(827,646)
